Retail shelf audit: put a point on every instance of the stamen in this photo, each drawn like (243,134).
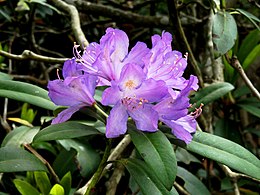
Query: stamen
(57,72)
(197,111)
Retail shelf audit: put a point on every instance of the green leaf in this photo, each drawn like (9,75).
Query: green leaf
(248,44)
(226,152)
(65,162)
(66,183)
(25,188)
(185,157)
(44,3)
(14,159)
(211,93)
(158,153)
(20,135)
(25,92)
(43,182)
(252,56)
(145,177)
(192,183)
(66,130)
(251,109)
(87,157)
(224,32)
(250,16)
(57,189)
(4,76)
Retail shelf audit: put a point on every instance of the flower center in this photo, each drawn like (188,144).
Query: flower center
(130,84)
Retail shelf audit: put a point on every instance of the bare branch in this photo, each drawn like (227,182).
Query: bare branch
(120,15)
(75,21)
(27,54)
(234,62)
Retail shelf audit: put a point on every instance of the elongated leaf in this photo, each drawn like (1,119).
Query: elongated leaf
(14,159)
(226,152)
(4,76)
(248,44)
(252,56)
(25,188)
(144,177)
(20,135)
(26,93)
(211,93)
(43,182)
(66,183)
(158,153)
(57,189)
(250,16)
(224,32)
(251,109)
(192,183)
(66,130)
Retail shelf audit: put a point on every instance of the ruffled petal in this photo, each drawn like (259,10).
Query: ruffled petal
(146,119)
(183,127)
(136,54)
(70,68)
(111,95)
(152,90)
(117,121)
(66,114)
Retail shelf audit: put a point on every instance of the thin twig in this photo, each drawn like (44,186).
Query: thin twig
(175,20)
(180,188)
(234,62)
(75,21)
(31,78)
(55,176)
(27,54)
(113,156)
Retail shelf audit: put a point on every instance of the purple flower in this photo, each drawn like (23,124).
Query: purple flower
(173,111)
(109,57)
(132,96)
(161,63)
(75,91)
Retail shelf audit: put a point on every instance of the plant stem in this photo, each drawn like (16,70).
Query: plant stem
(102,165)
(100,110)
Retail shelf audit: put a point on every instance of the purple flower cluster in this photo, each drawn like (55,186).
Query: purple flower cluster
(144,84)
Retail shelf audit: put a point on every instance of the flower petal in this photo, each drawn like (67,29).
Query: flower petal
(152,90)
(66,114)
(117,121)
(131,77)
(183,127)
(146,119)
(111,95)
(70,68)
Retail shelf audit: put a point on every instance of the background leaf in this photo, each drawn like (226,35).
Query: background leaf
(210,93)
(25,92)
(192,184)
(14,159)
(224,32)
(226,152)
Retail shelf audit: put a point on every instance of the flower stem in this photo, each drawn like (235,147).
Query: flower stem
(102,165)
(100,110)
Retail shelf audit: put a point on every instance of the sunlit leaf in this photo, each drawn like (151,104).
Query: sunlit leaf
(224,32)
(226,152)
(252,56)
(57,189)
(42,181)
(158,153)
(21,121)
(14,159)
(66,183)
(66,130)
(25,92)
(25,188)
